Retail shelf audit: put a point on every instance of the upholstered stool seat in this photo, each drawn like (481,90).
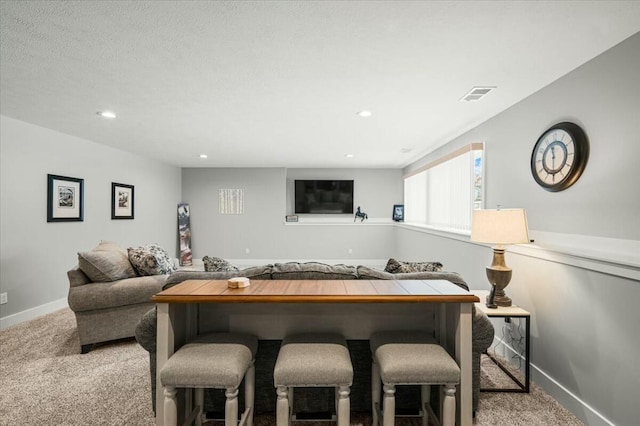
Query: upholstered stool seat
(313,360)
(411,358)
(218,361)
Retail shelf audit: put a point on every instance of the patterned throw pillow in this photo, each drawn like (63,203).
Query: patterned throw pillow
(150,260)
(215,264)
(398,266)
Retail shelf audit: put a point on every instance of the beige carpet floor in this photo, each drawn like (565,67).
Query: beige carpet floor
(45,381)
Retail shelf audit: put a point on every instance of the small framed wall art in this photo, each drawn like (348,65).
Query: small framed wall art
(398,212)
(122,201)
(65,199)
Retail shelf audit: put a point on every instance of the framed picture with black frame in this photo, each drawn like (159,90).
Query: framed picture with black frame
(398,212)
(65,199)
(122,201)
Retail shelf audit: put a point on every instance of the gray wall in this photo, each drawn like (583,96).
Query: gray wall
(258,229)
(585,319)
(35,255)
(269,197)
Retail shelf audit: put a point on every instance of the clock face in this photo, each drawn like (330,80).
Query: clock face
(559,156)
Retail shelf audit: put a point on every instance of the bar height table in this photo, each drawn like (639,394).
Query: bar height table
(178,307)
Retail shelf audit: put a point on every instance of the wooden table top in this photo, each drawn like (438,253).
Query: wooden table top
(317,291)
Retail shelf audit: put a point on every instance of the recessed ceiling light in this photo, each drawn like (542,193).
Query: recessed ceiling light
(203,156)
(349,155)
(365,113)
(106,114)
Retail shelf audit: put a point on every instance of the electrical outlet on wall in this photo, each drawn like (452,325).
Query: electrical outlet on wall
(246,251)
(3,298)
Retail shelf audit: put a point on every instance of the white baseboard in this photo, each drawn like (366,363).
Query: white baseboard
(29,314)
(564,396)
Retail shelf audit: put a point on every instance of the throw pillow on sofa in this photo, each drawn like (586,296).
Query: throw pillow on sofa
(216,264)
(107,262)
(399,267)
(150,260)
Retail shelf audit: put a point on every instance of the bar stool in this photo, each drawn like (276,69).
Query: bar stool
(313,360)
(411,358)
(217,361)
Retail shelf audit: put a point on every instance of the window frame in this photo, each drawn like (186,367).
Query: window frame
(476,152)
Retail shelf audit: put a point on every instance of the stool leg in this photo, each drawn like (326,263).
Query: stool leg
(290,394)
(170,406)
(231,407)
(249,392)
(425,399)
(376,387)
(344,406)
(449,406)
(282,406)
(199,400)
(389,405)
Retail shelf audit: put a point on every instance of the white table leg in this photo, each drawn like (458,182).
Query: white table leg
(171,333)
(164,349)
(463,356)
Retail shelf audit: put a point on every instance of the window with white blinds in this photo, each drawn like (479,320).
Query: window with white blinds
(444,193)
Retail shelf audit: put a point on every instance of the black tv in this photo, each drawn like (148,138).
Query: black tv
(324,196)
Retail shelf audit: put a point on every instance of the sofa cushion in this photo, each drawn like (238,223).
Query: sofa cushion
(312,271)
(130,291)
(150,260)
(216,264)
(107,262)
(366,273)
(255,273)
(397,266)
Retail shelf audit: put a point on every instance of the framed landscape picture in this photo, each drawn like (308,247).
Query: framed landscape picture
(65,199)
(122,201)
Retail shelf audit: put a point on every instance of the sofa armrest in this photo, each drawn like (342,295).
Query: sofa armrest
(146,330)
(77,277)
(482,331)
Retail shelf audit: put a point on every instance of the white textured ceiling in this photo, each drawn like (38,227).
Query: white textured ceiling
(278,84)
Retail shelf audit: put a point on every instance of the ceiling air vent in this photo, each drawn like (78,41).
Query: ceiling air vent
(477,93)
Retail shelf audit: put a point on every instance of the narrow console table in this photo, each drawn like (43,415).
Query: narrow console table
(508,312)
(178,313)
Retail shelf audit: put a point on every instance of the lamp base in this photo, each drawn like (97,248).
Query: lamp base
(500,300)
(499,275)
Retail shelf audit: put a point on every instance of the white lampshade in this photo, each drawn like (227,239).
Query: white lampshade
(505,226)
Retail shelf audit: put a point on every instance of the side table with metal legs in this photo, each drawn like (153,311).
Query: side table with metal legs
(507,313)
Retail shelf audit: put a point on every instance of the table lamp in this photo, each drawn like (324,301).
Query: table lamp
(499,227)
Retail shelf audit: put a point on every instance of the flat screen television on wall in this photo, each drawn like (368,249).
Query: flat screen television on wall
(324,196)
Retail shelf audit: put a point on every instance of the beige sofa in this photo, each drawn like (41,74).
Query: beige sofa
(109,310)
(109,294)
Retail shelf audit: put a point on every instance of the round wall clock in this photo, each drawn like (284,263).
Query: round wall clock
(559,156)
